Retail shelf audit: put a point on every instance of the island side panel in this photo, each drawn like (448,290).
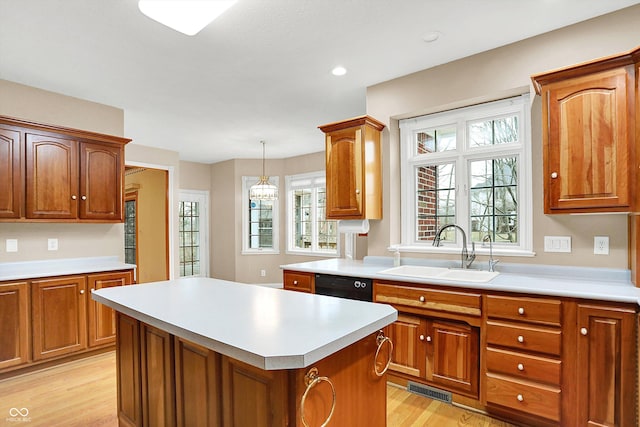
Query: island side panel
(128,371)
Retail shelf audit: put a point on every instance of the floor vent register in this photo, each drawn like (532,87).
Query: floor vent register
(430,392)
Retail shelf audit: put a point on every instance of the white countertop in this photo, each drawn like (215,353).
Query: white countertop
(60,267)
(574,282)
(265,327)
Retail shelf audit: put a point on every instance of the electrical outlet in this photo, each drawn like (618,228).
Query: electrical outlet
(263,273)
(52,244)
(601,245)
(12,245)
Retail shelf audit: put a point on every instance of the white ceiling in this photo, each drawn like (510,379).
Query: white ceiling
(261,70)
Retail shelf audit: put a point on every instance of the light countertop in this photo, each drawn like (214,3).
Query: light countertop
(60,267)
(573,282)
(265,327)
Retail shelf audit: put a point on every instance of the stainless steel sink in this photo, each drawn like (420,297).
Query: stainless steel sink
(440,273)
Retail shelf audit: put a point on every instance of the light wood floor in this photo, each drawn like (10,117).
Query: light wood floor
(83,394)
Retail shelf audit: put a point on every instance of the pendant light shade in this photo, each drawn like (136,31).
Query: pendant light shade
(263,189)
(185,16)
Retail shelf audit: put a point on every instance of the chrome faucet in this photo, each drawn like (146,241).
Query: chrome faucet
(492,262)
(466,257)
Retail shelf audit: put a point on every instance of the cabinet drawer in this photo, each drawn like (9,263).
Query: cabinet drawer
(536,399)
(522,365)
(298,282)
(429,299)
(524,337)
(535,310)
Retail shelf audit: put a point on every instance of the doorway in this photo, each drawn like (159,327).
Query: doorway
(147,222)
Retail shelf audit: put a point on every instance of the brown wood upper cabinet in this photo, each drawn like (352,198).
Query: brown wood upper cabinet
(59,174)
(589,131)
(353,168)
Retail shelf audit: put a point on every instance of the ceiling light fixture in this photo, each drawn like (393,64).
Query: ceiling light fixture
(185,16)
(339,71)
(431,36)
(263,189)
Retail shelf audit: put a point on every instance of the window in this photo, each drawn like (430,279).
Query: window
(259,220)
(308,230)
(130,229)
(471,167)
(193,233)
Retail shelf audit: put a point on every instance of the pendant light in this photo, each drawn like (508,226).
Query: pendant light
(185,16)
(263,189)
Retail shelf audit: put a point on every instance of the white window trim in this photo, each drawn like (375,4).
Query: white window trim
(305,180)
(460,117)
(202,197)
(247,182)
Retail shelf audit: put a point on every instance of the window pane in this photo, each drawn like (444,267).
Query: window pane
(491,132)
(494,199)
(312,232)
(435,199)
(130,231)
(189,238)
(436,140)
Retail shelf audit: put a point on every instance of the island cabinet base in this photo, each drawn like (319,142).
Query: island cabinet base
(166,380)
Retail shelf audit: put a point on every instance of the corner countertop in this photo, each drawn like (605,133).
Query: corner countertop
(60,267)
(574,282)
(264,327)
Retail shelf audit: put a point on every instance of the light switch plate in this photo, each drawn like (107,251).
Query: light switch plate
(11,245)
(52,244)
(557,244)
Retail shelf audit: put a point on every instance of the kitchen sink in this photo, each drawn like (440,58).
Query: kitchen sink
(440,273)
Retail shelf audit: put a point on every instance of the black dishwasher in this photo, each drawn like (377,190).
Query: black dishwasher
(344,287)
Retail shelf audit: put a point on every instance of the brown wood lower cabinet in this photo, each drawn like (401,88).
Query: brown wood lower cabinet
(166,380)
(14,324)
(102,319)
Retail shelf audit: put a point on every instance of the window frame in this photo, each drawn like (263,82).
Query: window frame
(294,182)
(247,182)
(202,197)
(462,157)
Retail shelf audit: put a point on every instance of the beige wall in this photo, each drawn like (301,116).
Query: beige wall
(152,222)
(74,240)
(493,75)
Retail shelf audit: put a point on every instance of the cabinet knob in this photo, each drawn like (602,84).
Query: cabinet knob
(421,298)
(81,291)
(295,282)
(520,367)
(92,290)
(357,191)
(584,331)
(520,339)
(521,310)
(520,398)
(554,175)
(84,197)
(74,197)
(428,338)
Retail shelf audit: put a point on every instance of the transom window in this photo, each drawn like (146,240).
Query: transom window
(308,230)
(470,167)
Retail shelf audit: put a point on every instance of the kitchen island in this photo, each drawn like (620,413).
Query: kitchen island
(210,352)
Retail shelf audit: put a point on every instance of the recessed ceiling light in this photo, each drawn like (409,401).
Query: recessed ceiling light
(339,71)
(431,36)
(185,16)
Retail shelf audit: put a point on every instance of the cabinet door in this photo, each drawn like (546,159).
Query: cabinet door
(128,371)
(587,147)
(101,195)
(408,335)
(10,174)
(52,177)
(453,356)
(344,174)
(59,313)
(198,385)
(252,396)
(158,382)
(607,372)
(14,324)
(102,319)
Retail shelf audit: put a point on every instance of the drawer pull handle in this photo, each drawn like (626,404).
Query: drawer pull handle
(520,398)
(520,367)
(520,339)
(521,311)
(295,282)
(421,298)
(584,331)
